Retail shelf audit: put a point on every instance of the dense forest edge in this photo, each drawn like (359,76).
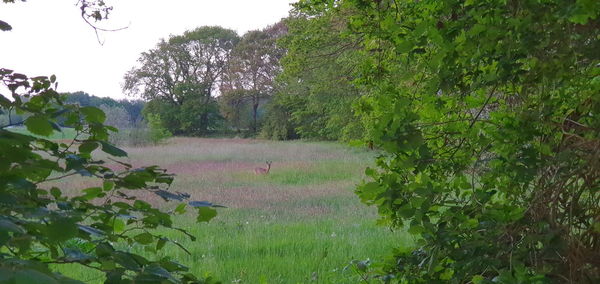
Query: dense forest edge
(484,116)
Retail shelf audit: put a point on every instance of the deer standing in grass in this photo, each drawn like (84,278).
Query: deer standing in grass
(263,171)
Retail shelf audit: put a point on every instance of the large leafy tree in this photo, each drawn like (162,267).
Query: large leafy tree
(234,106)
(184,72)
(40,223)
(315,88)
(253,67)
(487,112)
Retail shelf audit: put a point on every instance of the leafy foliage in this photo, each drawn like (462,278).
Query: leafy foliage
(234,107)
(488,115)
(315,89)
(189,118)
(37,219)
(252,69)
(158,132)
(183,73)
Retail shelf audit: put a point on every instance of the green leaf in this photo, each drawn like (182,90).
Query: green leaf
(171,266)
(76,255)
(416,229)
(93,114)
(205,214)
(8,226)
(158,271)
(180,208)
(93,192)
(108,185)
(447,274)
(112,150)
(30,276)
(39,125)
(477,279)
(144,238)
(6,275)
(126,260)
(118,225)
(104,250)
(88,146)
(55,192)
(161,243)
(61,229)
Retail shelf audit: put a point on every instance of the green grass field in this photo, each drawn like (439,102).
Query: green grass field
(301,223)
(66,134)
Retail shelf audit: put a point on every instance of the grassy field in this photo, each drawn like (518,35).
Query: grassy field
(301,223)
(66,134)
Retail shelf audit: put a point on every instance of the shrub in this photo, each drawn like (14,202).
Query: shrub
(488,115)
(157,132)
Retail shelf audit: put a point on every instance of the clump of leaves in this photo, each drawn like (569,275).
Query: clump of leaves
(39,225)
(488,115)
(158,132)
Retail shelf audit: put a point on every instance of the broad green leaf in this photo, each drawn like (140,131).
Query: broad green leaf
(181,208)
(416,229)
(40,125)
(93,114)
(158,271)
(8,226)
(61,229)
(88,146)
(108,185)
(112,150)
(118,225)
(30,276)
(160,243)
(205,214)
(477,279)
(144,238)
(55,192)
(126,260)
(93,192)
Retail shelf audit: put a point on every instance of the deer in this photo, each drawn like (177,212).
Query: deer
(263,171)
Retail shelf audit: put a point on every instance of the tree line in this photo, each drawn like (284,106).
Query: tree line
(290,80)
(208,79)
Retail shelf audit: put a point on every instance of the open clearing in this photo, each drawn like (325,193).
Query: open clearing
(301,223)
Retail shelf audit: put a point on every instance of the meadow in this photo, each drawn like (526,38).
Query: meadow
(301,223)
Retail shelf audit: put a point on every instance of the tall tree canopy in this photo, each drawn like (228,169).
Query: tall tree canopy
(184,72)
(314,93)
(253,67)
(487,112)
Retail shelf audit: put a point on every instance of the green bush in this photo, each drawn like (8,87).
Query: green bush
(487,112)
(156,129)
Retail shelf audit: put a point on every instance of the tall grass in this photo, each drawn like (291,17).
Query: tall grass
(301,223)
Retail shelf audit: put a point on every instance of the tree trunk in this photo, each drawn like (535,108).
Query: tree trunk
(255,114)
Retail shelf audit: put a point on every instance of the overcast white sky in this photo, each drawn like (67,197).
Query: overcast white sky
(49,36)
